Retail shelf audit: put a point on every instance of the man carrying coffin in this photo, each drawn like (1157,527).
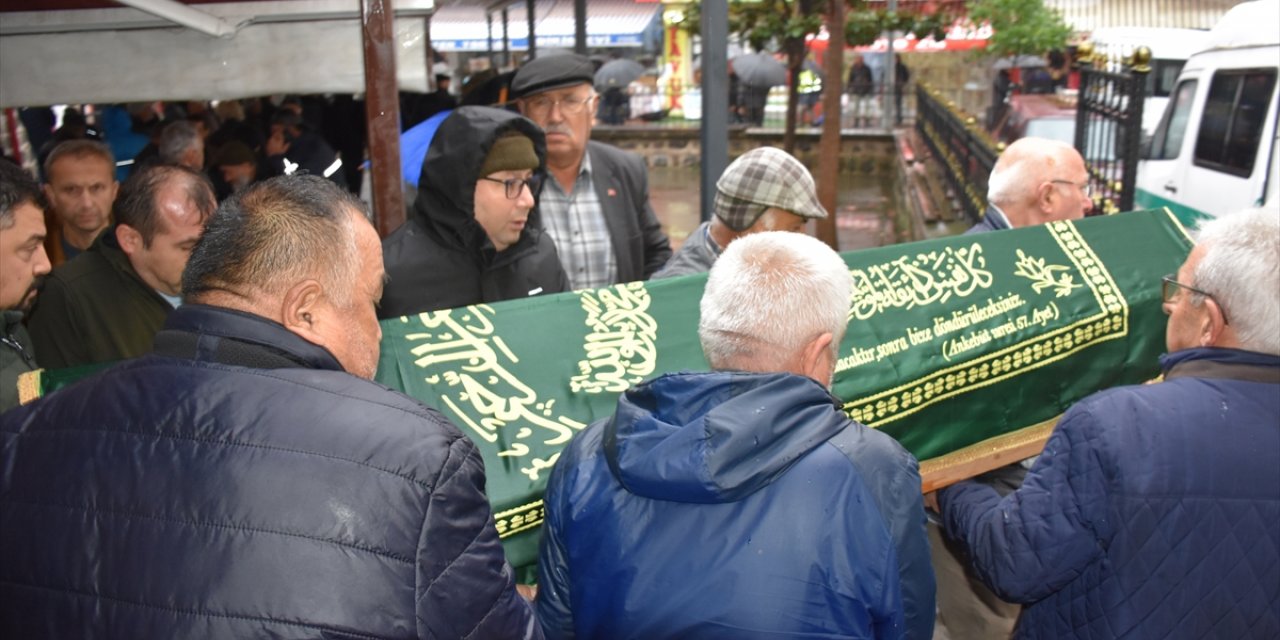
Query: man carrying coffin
(1152,512)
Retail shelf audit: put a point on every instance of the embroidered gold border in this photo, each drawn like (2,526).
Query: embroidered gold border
(521,518)
(1109,323)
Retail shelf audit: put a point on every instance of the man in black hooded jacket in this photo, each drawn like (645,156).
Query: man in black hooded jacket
(474,234)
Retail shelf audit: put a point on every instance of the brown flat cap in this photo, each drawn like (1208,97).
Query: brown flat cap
(551,72)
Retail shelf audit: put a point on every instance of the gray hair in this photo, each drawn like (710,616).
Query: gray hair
(768,295)
(275,234)
(1241,269)
(176,140)
(1022,168)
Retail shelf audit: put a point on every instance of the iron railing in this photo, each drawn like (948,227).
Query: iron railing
(963,148)
(1109,126)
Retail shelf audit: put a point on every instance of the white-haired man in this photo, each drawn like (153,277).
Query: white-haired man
(1153,511)
(1035,181)
(741,502)
(765,189)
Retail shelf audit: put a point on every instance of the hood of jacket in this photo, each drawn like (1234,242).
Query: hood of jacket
(716,437)
(446,188)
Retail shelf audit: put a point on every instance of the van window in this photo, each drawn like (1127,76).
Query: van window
(1235,113)
(1169,141)
(1162,76)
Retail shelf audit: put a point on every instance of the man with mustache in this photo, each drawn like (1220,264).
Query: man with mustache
(22,263)
(596,208)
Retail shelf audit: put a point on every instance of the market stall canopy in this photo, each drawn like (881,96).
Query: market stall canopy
(67,51)
(613,23)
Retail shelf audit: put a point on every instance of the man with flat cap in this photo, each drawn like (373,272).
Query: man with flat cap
(765,189)
(596,207)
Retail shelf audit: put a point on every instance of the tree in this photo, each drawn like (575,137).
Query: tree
(1020,27)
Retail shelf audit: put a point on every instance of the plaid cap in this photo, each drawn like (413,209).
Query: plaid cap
(762,178)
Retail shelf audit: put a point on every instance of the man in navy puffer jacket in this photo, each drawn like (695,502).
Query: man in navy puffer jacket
(741,503)
(1153,511)
(246,479)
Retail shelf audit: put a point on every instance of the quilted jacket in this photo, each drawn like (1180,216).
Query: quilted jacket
(734,505)
(1153,513)
(239,484)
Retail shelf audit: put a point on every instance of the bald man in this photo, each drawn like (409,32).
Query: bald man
(1035,181)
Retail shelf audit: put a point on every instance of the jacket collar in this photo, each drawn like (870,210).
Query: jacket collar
(265,340)
(1213,362)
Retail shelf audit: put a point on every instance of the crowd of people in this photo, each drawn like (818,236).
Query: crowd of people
(238,474)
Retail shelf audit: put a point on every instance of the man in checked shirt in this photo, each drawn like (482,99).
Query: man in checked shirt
(597,207)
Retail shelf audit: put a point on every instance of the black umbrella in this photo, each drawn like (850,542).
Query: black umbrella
(760,70)
(617,73)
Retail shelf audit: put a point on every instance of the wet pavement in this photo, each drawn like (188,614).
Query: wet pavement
(869,213)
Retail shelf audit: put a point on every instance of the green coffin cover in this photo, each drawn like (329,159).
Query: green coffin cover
(951,343)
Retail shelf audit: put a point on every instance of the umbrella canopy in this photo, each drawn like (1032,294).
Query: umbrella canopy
(617,73)
(759,69)
(414,143)
(1008,62)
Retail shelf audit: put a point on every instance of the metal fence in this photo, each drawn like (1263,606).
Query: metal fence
(963,148)
(1109,127)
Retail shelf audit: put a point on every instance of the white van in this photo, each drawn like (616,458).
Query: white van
(1170,50)
(1215,148)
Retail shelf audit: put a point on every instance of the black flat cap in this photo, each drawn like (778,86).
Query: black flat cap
(551,72)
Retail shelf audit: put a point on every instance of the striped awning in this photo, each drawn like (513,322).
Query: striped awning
(610,23)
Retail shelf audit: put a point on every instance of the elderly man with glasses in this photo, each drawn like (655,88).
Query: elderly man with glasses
(473,234)
(1153,511)
(596,207)
(1035,181)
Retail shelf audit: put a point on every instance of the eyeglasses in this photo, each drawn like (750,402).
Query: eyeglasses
(1169,293)
(1086,188)
(540,106)
(514,186)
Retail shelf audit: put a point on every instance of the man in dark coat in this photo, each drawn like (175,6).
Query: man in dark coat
(741,502)
(473,234)
(596,204)
(1152,512)
(108,303)
(247,479)
(23,263)
(292,148)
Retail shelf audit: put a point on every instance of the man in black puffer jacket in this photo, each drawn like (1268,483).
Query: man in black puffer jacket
(474,234)
(246,479)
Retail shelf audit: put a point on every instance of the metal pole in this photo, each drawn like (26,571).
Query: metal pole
(429,51)
(529,15)
(890,83)
(580,27)
(715,99)
(506,42)
(829,144)
(382,111)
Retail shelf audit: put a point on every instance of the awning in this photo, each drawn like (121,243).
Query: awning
(610,23)
(126,55)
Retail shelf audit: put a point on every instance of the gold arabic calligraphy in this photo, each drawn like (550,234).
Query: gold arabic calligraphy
(460,349)
(922,279)
(620,345)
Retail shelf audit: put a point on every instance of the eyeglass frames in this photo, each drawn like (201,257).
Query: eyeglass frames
(514,186)
(540,106)
(1086,188)
(1169,293)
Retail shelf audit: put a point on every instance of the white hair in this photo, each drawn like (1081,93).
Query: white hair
(768,296)
(1022,168)
(1241,270)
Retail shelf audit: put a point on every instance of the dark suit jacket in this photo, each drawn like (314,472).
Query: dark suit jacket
(989,222)
(622,184)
